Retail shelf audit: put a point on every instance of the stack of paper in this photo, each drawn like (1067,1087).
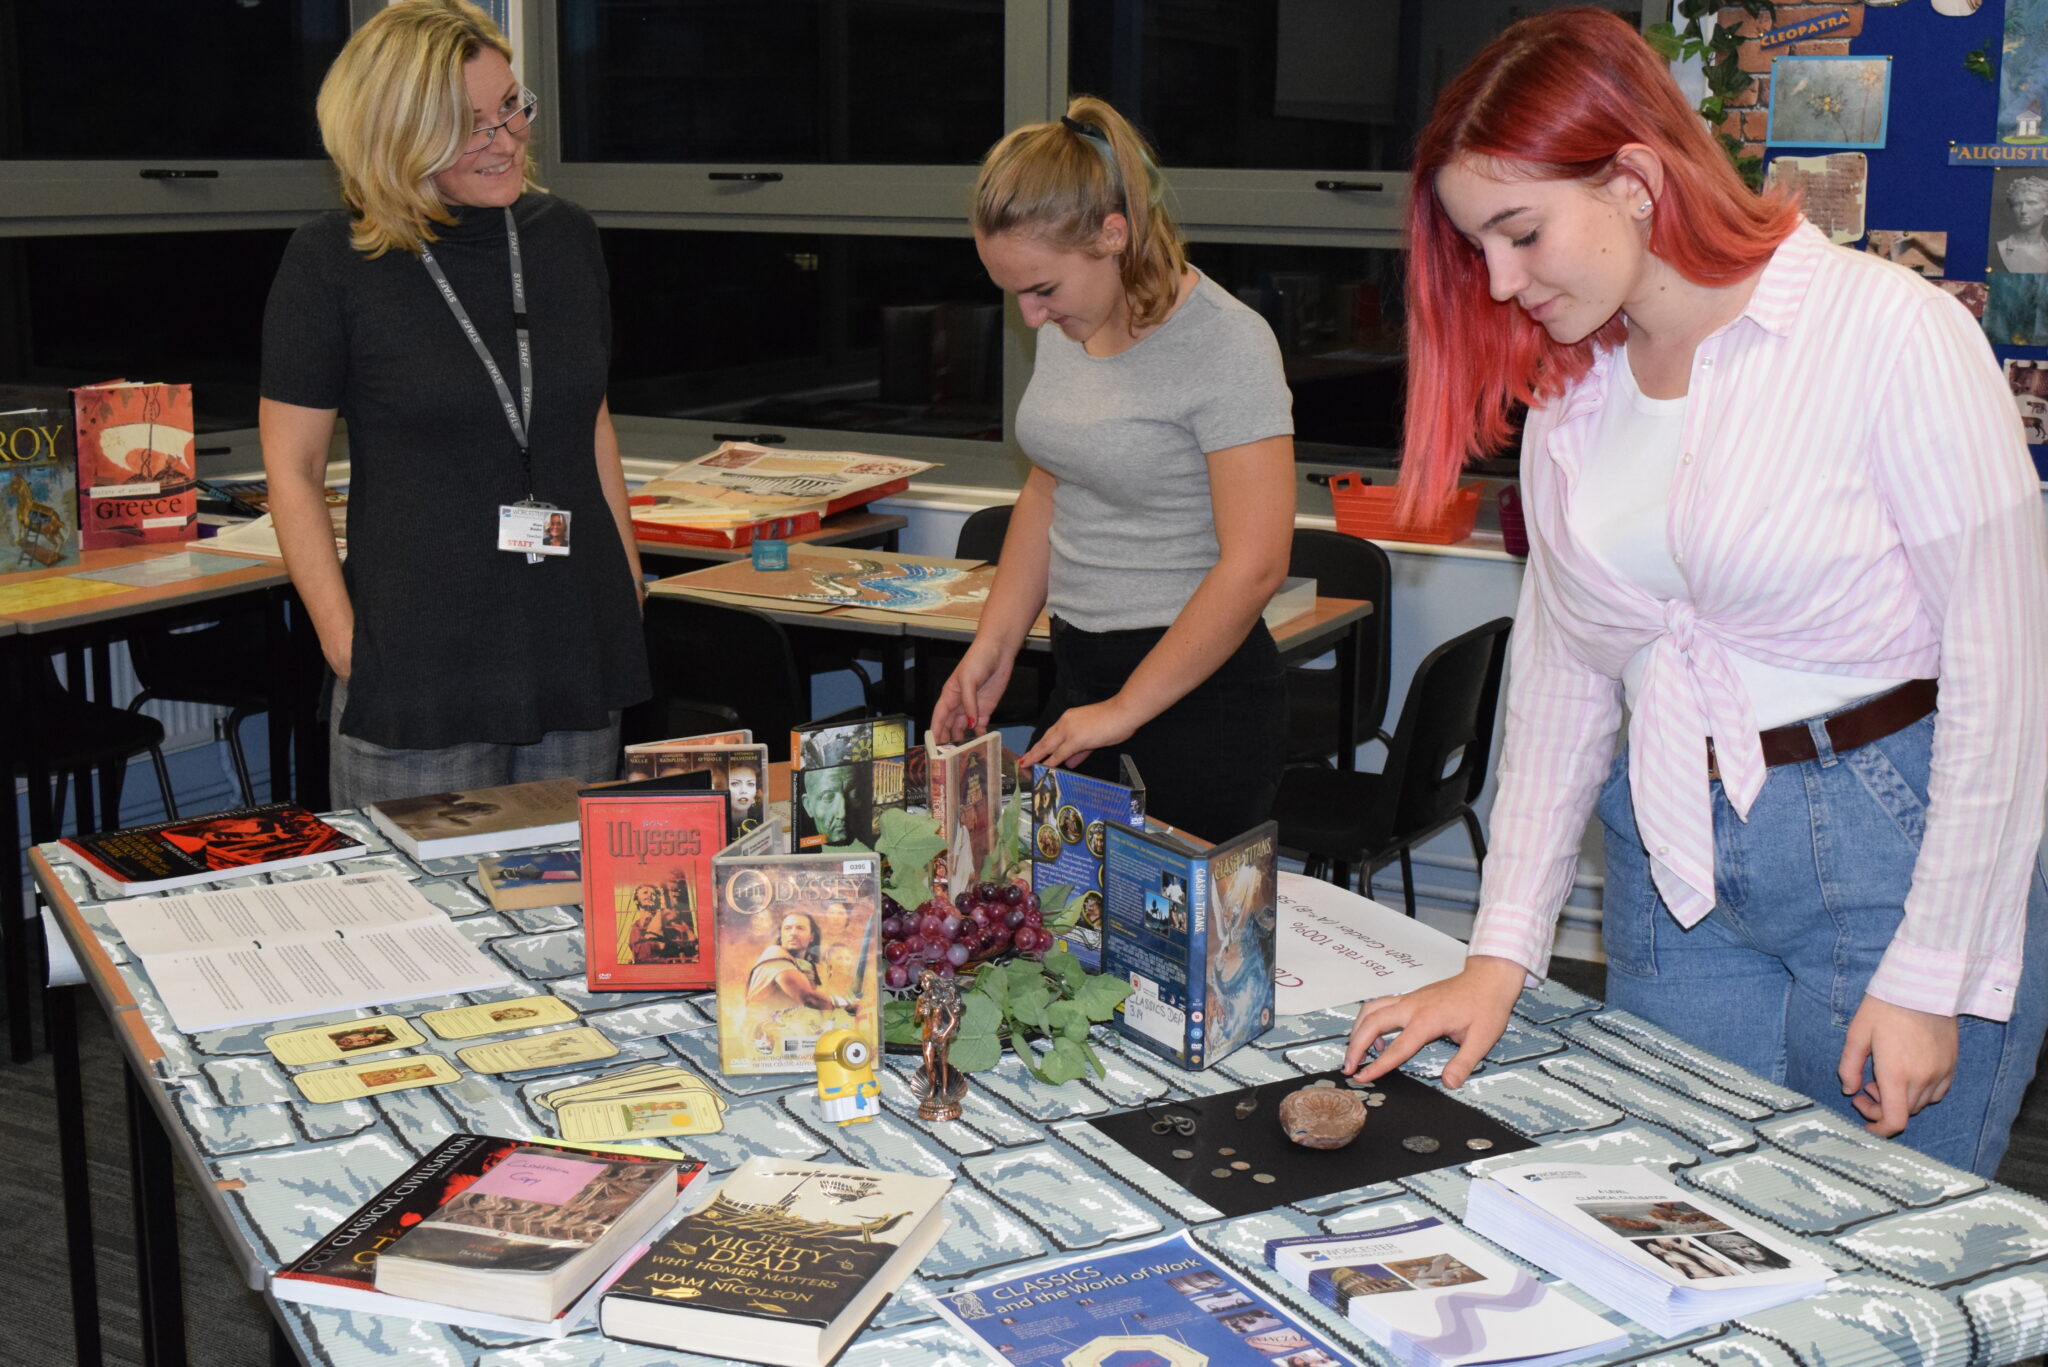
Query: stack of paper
(1433,1296)
(1665,1257)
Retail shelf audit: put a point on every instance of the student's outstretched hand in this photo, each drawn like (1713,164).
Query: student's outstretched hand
(971,694)
(1079,733)
(1470,1009)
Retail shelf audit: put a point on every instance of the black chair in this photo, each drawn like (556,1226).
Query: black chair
(981,535)
(1023,701)
(222,665)
(723,665)
(68,739)
(1436,764)
(1343,567)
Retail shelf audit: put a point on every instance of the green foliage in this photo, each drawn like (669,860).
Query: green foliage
(1720,59)
(1007,851)
(909,842)
(1059,1001)
(1978,62)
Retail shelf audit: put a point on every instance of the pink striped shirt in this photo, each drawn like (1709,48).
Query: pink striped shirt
(1854,497)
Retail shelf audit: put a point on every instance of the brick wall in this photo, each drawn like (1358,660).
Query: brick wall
(1749,113)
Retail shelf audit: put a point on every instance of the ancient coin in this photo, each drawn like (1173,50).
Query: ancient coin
(1262,1177)
(1356,1081)
(1322,1082)
(1228,1153)
(1183,1153)
(1480,1144)
(1242,1166)
(1246,1106)
(1375,1100)
(1419,1143)
(1219,1172)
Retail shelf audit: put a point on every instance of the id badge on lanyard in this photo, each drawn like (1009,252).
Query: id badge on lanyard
(529,527)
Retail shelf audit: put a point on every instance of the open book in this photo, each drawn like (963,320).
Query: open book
(284,950)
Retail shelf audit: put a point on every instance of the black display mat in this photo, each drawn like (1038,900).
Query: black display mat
(1300,1174)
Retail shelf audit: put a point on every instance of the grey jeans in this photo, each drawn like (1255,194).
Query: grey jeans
(360,772)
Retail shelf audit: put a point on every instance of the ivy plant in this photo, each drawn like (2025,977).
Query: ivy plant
(1057,1000)
(1720,58)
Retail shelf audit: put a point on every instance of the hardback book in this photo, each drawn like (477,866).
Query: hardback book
(798,940)
(682,527)
(647,851)
(783,1264)
(530,1235)
(547,878)
(234,956)
(1630,1237)
(39,483)
(1190,927)
(822,744)
(339,1270)
(443,825)
(1434,1296)
(965,783)
(179,854)
(137,467)
(841,805)
(1068,834)
(737,769)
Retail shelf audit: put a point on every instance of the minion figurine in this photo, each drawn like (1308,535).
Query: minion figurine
(847,1086)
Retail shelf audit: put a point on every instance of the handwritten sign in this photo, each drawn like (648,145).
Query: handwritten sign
(1334,947)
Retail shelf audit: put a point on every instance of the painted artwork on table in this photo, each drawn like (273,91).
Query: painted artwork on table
(1829,101)
(855,579)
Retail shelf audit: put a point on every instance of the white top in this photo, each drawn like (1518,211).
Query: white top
(1619,511)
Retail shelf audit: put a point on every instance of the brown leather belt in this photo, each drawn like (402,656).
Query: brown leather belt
(1871,720)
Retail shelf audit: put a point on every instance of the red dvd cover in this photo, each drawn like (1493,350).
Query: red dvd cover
(647,890)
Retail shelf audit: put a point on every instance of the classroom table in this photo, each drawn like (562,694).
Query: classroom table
(68,609)
(1935,1267)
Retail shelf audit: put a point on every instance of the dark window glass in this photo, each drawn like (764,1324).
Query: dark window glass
(1337,314)
(1283,84)
(769,330)
(142,306)
(214,79)
(831,81)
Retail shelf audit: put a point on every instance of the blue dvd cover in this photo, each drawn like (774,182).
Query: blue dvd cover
(1070,817)
(1191,929)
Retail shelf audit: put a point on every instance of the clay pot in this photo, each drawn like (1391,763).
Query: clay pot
(1322,1117)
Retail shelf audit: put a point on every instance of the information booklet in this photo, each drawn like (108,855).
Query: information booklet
(547,878)
(284,950)
(339,1270)
(964,793)
(1434,1296)
(512,817)
(531,1235)
(1191,929)
(1069,831)
(783,1265)
(1632,1238)
(797,956)
(1163,1302)
(180,854)
(39,480)
(647,850)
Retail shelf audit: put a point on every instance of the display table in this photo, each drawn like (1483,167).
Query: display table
(1936,1266)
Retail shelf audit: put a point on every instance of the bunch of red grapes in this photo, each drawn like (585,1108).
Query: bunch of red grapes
(988,920)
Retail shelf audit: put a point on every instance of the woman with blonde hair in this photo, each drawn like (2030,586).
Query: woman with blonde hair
(1159,511)
(1773,555)
(485,628)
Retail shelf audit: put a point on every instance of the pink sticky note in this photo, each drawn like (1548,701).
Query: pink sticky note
(550,1179)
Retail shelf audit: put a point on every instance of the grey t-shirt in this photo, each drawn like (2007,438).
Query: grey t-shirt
(1126,437)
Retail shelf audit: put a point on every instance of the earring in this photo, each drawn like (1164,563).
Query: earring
(1643,209)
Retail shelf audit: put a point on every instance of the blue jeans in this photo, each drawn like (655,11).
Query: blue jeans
(1808,893)
(360,772)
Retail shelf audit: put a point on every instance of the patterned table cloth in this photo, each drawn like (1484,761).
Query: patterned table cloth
(1934,1266)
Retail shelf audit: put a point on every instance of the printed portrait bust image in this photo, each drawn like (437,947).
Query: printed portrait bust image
(2025,249)
(825,801)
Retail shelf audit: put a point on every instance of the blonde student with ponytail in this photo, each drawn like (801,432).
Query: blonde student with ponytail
(1159,511)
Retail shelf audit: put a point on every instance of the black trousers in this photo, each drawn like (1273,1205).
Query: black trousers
(1211,762)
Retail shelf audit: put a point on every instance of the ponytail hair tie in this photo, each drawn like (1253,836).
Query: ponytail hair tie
(1085,130)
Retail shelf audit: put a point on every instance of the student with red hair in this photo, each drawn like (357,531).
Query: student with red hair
(1777,498)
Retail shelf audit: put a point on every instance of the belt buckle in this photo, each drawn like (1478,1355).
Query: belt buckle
(1713,769)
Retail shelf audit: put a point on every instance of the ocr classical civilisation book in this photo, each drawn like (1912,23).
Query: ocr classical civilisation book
(339,1270)
(783,1265)
(179,853)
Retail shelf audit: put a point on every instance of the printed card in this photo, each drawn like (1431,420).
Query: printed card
(642,1085)
(675,1113)
(354,1081)
(498,1018)
(585,1044)
(343,1040)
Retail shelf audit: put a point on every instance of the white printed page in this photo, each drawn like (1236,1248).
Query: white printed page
(217,988)
(270,913)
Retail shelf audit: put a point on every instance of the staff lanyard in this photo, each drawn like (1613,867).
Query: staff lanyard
(520,416)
